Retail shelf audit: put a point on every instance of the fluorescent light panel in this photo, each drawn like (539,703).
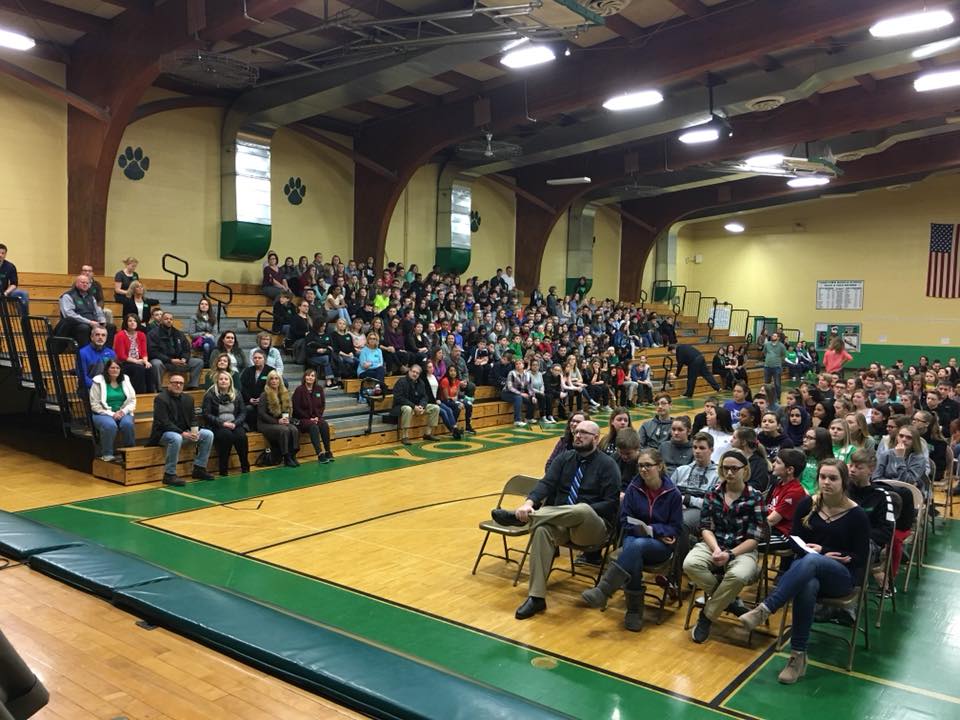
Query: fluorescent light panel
(528,56)
(937,80)
(700,135)
(734,227)
(912,23)
(934,48)
(15,41)
(634,100)
(583,180)
(766,160)
(808,181)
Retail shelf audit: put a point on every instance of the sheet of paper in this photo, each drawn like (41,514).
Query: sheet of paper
(802,543)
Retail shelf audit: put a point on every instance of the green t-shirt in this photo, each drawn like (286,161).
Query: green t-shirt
(115,397)
(809,477)
(843,453)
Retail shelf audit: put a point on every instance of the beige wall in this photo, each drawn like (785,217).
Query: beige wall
(880,237)
(324,220)
(33,170)
(412,235)
(553,269)
(175,208)
(492,246)
(606,255)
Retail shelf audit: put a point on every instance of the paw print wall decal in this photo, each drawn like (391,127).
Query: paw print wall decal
(295,191)
(475,220)
(134,163)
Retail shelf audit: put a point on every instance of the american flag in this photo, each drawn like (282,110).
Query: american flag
(943,269)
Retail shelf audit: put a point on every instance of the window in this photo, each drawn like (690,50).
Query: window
(253,182)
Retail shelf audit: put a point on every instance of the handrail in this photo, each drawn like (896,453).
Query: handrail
(643,298)
(792,330)
(681,301)
(691,292)
(710,329)
(667,369)
(736,310)
(723,303)
(218,300)
(748,339)
(260,325)
(676,313)
(700,305)
(176,274)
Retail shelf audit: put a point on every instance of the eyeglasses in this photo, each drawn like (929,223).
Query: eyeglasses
(645,466)
(920,421)
(731,469)
(584,432)
(809,437)
(176,382)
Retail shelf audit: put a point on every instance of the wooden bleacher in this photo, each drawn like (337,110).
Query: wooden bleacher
(142,464)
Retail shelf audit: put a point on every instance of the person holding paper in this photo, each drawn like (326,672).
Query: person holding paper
(651,519)
(732,523)
(836,533)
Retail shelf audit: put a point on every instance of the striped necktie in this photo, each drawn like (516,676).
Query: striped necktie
(575,485)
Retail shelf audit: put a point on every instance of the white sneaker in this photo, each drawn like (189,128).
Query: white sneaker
(550,420)
(520,423)
(108,458)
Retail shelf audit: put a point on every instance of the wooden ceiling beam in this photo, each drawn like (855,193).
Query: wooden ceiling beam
(692,8)
(417,97)
(867,82)
(55,14)
(54,91)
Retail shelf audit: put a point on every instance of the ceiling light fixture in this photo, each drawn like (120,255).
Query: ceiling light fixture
(633,100)
(808,181)
(582,180)
(766,160)
(734,227)
(15,41)
(714,129)
(934,48)
(912,23)
(937,80)
(527,56)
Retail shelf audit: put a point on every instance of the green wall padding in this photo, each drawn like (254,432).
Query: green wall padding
(452,259)
(241,240)
(572,283)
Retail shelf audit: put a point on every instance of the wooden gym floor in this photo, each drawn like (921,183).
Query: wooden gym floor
(381,544)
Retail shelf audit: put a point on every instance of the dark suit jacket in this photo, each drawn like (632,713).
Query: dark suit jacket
(171,414)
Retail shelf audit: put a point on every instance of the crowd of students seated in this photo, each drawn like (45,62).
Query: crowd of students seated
(815,478)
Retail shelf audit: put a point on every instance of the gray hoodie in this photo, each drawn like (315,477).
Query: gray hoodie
(676,454)
(654,431)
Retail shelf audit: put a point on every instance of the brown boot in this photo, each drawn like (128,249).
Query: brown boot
(796,668)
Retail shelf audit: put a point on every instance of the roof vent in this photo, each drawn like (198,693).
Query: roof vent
(766,104)
(605,7)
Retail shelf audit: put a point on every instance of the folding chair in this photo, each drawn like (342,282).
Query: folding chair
(918,535)
(521,485)
(671,570)
(706,597)
(885,565)
(857,599)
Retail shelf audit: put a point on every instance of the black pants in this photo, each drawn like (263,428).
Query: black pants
(143,380)
(224,439)
(318,432)
(80,331)
(697,369)
(599,393)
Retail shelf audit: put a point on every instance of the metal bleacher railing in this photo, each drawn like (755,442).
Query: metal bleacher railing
(222,295)
(168,267)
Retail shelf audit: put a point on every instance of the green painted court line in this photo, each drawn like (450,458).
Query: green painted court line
(568,687)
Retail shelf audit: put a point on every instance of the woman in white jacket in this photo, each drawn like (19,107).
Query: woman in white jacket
(112,402)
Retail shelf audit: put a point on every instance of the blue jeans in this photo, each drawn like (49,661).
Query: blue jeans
(809,577)
(23,297)
(448,416)
(172,441)
(640,551)
(322,363)
(107,429)
(518,402)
